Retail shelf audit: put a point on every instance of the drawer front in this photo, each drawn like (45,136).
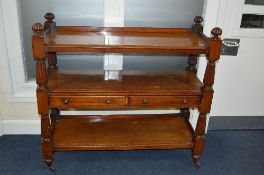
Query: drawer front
(164,101)
(87,101)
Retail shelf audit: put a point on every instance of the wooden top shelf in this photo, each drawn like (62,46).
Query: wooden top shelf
(125,40)
(132,83)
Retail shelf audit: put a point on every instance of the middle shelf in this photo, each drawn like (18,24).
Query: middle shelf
(132,83)
(136,89)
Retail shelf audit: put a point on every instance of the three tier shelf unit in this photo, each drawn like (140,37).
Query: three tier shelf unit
(64,89)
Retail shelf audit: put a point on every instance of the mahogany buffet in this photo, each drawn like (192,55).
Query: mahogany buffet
(66,89)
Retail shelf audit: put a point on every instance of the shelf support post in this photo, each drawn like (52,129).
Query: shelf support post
(212,55)
(192,63)
(50,26)
(39,53)
(197,28)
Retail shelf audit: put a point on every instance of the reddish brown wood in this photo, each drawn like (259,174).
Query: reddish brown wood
(145,30)
(38,47)
(115,40)
(215,45)
(54,114)
(52,61)
(50,25)
(192,63)
(132,83)
(49,17)
(41,73)
(164,101)
(65,102)
(122,132)
(39,53)
(207,99)
(60,89)
(208,81)
(198,27)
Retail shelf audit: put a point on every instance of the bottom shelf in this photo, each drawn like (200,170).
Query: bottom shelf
(122,132)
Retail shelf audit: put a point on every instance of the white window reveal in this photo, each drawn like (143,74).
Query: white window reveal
(249,18)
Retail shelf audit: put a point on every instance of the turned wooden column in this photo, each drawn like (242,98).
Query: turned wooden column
(212,56)
(197,28)
(192,63)
(38,48)
(50,25)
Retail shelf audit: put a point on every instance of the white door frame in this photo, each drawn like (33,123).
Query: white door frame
(234,100)
(3,66)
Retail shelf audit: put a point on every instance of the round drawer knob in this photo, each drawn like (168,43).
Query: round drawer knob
(145,101)
(185,101)
(65,101)
(108,101)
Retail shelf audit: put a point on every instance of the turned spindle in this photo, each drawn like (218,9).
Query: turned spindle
(49,16)
(198,27)
(39,53)
(50,25)
(213,55)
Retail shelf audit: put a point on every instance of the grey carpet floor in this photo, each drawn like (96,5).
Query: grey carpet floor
(226,153)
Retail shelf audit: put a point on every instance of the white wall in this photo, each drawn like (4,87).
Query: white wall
(1,72)
(239,81)
(12,113)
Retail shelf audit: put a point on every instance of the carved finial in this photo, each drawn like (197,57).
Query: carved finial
(49,16)
(38,28)
(198,19)
(198,27)
(216,31)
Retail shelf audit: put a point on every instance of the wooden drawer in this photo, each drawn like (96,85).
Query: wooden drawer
(164,101)
(87,101)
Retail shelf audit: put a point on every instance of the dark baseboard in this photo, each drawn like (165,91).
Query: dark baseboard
(236,122)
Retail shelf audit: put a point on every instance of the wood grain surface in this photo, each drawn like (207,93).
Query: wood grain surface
(122,132)
(125,40)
